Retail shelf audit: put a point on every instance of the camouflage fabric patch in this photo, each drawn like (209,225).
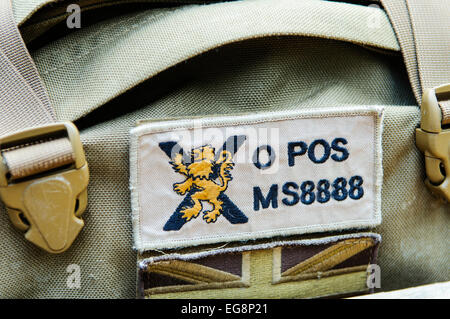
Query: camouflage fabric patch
(303,269)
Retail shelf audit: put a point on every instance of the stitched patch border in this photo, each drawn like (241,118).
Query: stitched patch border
(249,119)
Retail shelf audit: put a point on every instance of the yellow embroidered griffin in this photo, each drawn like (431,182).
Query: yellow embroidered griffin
(202,171)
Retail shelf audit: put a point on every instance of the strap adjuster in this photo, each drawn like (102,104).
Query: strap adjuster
(434,141)
(48,203)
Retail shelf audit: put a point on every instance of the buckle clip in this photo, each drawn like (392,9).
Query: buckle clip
(47,205)
(434,141)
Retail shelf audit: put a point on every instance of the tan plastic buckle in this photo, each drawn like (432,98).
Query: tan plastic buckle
(48,205)
(434,141)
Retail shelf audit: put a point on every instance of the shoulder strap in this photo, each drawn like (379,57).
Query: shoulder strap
(23,98)
(423,31)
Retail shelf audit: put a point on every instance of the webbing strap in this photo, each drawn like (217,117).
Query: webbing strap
(423,31)
(23,97)
(24,102)
(46,156)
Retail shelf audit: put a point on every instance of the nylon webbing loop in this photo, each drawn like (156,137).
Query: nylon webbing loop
(46,156)
(423,31)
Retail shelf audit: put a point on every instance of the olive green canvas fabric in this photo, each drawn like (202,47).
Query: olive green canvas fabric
(111,74)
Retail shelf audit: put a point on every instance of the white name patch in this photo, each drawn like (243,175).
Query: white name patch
(230,178)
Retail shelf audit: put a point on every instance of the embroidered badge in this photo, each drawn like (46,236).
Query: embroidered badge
(201,168)
(232,178)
